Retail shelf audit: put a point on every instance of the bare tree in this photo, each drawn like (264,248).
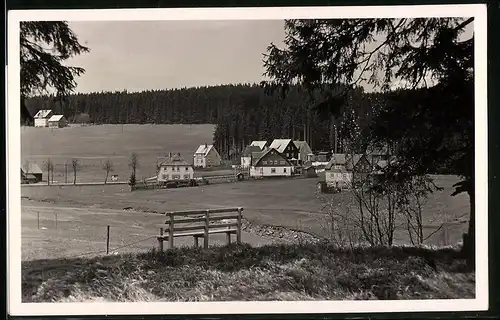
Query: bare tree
(75,163)
(108,167)
(49,166)
(134,163)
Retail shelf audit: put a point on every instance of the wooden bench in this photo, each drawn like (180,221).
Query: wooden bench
(201,224)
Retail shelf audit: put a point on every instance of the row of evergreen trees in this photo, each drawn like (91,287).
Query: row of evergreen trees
(242,113)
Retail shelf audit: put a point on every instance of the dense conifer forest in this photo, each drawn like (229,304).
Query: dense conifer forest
(241,113)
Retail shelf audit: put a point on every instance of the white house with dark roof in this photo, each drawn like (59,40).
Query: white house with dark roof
(206,156)
(287,148)
(270,163)
(42,118)
(174,168)
(57,121)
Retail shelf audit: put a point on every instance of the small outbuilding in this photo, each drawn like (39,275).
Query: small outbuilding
(31,173)
(58,121)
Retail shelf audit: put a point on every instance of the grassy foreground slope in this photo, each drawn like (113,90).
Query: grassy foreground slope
(241,272)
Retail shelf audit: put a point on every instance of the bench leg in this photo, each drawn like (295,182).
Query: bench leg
(228,238)
(195,238)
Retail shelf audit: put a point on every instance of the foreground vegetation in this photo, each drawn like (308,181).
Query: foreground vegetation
(241,272)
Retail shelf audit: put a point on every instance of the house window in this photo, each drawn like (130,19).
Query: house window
(282,161)
(275,161)
(165,177)
(178,169)
(176,176)
(187,169)
(284,170)
(273,170)
(186,176)
(264,162)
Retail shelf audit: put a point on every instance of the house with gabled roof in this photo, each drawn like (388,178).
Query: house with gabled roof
(57,121)
(305,151)
(270,163)
(174,168)
(287,148)
(246,157)
(42,118)
(206,156)
(344,169)
(31,172)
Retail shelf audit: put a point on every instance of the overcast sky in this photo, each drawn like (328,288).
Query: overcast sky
(148,55)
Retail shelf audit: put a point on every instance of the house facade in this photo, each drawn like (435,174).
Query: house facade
(305,151)
(287,148)
(42,118)
(270,163)
(174,168)
(206,156)
(57,121)
(246,157)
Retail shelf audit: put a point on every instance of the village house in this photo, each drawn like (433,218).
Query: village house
(287,148)
(57,121)
(260,144)
(270,163)
(206,156)
(31,173)
(343,170)
(42,118)
(305,152)
(174,168)
(246,157)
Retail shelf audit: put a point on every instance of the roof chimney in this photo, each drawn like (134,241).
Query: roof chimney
(206,145)
(170,154)
(179,154)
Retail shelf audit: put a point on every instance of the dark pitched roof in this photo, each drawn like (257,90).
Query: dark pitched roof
(265,153)
(32,168)
(174,160)
(249,150)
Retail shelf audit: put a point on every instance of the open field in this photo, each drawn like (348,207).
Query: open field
(84,212)
(271,272)
(93,145)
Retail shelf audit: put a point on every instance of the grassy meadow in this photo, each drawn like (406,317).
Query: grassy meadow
(93,145)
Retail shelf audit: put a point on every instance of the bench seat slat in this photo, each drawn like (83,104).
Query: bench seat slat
(202,227)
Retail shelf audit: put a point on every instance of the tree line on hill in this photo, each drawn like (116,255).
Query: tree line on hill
(242,113)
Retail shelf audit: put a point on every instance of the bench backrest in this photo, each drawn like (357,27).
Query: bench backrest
(192,220)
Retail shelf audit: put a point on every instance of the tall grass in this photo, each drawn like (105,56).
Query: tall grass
(241,272)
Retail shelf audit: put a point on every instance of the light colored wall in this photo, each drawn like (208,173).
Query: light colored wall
(167,173)
(199,161)
(41,122)
(267,171)
(344,179)
(246,161)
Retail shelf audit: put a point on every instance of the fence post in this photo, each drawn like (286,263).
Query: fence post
(56,218)
(238,232)
(160,240)
(171,231)
(38,219)
(107,240)
(207,224)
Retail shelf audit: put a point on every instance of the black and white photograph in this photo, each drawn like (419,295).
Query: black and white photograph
(249,160)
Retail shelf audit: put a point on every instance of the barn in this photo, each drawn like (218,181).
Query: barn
(31,173)
(57,121)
